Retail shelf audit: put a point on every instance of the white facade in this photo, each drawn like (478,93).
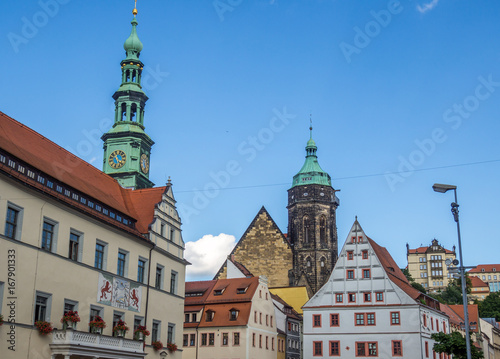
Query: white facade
(368,309)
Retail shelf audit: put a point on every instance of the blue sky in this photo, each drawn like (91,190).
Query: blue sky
(409,86)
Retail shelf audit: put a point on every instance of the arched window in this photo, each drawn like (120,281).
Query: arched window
(308,262)
(322,229)
(134,111)
(124,112)
(306,230)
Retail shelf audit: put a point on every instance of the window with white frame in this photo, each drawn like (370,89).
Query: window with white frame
(42,306)
(49,235)
(75,245)
(13,221)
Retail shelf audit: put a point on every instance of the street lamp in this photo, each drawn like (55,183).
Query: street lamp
(442,188)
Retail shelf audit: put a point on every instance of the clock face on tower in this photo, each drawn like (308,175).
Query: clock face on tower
(117,159)
(144,163)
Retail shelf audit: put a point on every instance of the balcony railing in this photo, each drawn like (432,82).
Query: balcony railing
(83,343)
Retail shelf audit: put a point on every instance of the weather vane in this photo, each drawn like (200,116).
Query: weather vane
(135,8)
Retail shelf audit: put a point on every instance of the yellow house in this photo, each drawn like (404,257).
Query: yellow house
(427,265)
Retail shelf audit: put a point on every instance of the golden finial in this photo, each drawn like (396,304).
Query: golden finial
(135,8)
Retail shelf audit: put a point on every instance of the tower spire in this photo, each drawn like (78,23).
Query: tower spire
(311,126)
(127,147)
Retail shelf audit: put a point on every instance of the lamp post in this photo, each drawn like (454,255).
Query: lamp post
(442,188)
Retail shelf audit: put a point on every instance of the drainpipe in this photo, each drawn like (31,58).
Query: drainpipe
(147,290)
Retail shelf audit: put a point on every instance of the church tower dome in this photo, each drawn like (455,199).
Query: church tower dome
(127,147)
(312,229)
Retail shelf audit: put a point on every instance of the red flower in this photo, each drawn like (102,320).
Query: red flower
(44,327)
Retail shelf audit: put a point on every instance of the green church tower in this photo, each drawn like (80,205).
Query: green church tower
(127,148)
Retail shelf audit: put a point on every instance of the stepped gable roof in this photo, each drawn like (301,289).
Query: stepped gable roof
(52,160)
(477,282)
(486,267)
(197,292)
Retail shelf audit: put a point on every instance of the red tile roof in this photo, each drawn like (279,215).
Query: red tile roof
(477,282)
(48,158)
(473,314)
(221,304)
(397,277)
(486,267)
(421,250)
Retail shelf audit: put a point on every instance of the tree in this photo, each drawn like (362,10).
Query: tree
(414,284)
(418,287)
(454,344)
(407,274)
(490,306)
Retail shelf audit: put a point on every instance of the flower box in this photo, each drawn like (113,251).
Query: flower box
(171,347)
(44,327)
(69,319)
(157,345)
(97,325)
(120,328)
(141,332)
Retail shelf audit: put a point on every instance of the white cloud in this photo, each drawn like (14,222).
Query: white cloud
(427,7)
(207,254)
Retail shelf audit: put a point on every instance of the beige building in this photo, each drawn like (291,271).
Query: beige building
(490,335)
(488,273)
(479,289)
(427,265)
(73,239)
(230,318)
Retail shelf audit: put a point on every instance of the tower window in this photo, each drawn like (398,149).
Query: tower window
(306,230)
(322,229)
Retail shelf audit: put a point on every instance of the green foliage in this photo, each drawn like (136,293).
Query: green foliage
(490,306)
(452,294)
(454,344)
(468,283)
(407,274)
(414,284)
(418,287)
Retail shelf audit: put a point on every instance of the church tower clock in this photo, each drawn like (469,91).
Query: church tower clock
(127,147)
(312,228)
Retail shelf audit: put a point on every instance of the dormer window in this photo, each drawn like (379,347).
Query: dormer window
(482,269)
(241,290)
(494,270)
(209,315)
(219,291)
(233,314)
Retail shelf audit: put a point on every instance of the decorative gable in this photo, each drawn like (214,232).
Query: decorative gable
(362,276)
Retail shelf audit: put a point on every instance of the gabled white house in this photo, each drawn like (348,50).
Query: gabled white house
(368,309)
